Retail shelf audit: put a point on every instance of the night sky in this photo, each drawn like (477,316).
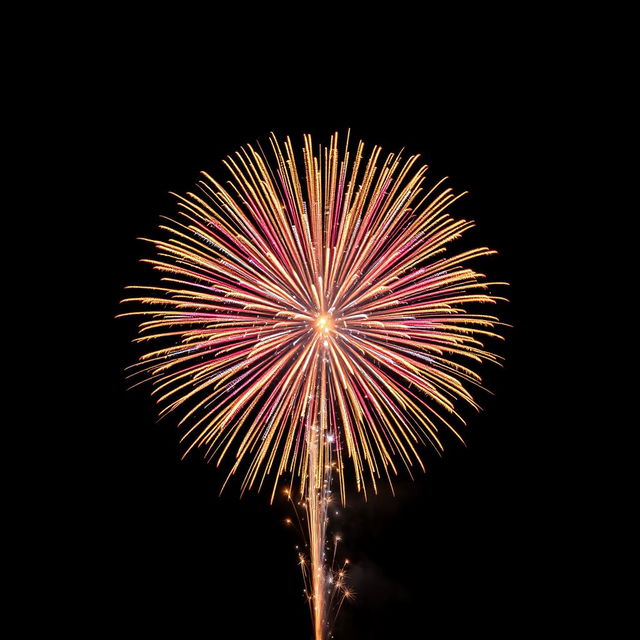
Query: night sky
(460,549)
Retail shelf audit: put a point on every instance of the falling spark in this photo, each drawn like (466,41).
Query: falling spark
(313,324)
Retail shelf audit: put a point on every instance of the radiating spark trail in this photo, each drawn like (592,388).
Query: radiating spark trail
(312,324)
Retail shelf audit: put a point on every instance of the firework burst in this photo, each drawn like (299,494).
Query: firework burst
(311,323)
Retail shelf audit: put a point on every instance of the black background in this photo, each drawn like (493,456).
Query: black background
(464,548)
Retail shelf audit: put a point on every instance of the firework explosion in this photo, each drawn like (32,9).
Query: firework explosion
(313,327)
